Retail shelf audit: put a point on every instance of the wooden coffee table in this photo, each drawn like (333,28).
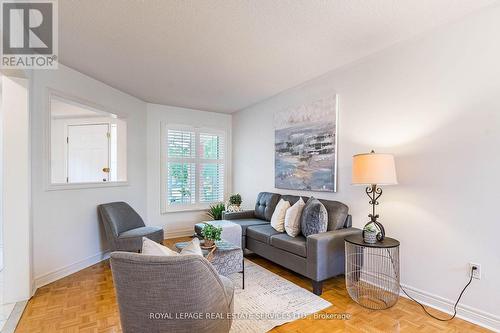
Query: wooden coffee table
(226,259)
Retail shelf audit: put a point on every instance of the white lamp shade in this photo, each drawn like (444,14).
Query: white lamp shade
(373,168)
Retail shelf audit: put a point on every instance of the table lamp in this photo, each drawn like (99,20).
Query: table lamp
(374,169)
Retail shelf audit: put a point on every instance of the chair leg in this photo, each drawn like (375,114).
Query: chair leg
(317,287)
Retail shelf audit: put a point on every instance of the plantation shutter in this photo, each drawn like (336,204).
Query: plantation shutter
(181,167)
(211,186)
(195,167)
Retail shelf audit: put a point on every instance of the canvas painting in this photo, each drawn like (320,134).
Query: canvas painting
(306,146)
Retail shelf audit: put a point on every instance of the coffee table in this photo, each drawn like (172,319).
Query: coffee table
(226,259)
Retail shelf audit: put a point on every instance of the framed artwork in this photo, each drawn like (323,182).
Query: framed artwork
(306,146)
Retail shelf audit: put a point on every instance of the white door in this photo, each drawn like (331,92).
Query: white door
(88,153)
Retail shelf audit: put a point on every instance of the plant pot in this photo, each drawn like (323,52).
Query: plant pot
(370,237)
(209,243)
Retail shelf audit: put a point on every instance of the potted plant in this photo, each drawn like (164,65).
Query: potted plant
(233,205)
(215,211)
(370,232)
(211,234)
(235,199)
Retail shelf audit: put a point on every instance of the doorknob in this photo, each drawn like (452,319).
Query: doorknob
(106,169)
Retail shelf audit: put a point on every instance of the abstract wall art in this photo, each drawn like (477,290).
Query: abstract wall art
(306,146)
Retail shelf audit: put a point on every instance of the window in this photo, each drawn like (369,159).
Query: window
(193,168)
(88,146)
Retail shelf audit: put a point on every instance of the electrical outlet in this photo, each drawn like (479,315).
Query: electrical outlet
(476,274)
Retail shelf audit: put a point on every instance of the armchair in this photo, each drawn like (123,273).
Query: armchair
(125,228)
(155,292)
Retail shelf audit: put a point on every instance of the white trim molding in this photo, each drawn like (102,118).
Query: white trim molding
(79,186)
(52,93)
(464,312)
(45,279)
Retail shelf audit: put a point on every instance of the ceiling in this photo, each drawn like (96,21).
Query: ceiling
(224,55)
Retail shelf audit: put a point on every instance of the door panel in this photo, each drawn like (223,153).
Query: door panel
(88,153)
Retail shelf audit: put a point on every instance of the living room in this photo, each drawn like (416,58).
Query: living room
(288,123)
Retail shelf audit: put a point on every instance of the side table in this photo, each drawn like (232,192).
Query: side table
(227,258)
(372,272)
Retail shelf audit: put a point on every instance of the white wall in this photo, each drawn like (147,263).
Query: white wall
(176,223)
(1,176)
(67,235)
(433,102)
(16,189)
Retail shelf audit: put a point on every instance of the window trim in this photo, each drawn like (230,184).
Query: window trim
(51,93)
(197,206)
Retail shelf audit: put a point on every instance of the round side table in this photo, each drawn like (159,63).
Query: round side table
(372,272)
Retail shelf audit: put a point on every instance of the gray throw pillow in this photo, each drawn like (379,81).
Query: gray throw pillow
(314,218)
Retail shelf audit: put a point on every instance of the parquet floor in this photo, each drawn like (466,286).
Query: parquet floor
(85,302)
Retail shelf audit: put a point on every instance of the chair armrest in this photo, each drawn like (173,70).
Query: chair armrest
(245,214)
(325,253)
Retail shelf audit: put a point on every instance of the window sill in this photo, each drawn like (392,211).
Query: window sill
(79,186)
(184,209)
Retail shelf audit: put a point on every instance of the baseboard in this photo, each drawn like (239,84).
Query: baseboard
(465,312)
(184,232)
(468,313)
(70,269)
(92,260)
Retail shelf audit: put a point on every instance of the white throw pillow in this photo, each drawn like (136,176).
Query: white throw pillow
(292,218)
(152,248)
(193,248)
(278,218)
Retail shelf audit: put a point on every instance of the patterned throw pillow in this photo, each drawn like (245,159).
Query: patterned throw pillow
(314,218)
(278,218)
(292,218)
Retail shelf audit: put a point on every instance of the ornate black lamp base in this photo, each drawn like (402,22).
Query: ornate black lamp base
(381,234)
(374,194)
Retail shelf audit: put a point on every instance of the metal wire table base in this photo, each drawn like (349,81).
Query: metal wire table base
(372,275)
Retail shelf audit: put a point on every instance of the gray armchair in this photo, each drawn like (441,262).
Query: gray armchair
(150,287)
(125,228)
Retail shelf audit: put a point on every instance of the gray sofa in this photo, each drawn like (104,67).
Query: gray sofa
(150,287)
(318,257)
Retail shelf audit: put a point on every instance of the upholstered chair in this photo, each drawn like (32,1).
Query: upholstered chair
(168,293)
(125,228)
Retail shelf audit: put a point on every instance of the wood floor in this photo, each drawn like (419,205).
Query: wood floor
(85,302)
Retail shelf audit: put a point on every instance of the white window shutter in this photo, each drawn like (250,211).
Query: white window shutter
(195,168)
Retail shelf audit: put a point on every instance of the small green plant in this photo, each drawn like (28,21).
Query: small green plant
(211,232)
(215,211)
(370,227)
(235,199)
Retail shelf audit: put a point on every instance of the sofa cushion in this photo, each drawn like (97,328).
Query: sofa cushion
(140,232)
(337,214)
(295,245)
(314,219)
(292,199)
(265,205)
(261,232)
